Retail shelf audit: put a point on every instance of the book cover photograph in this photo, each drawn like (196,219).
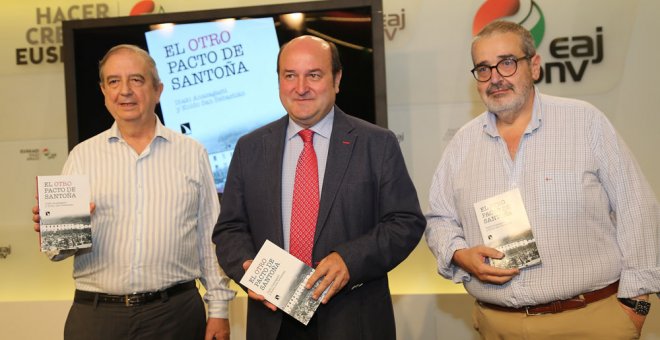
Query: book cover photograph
(505,226)
(280,278)
(65,221)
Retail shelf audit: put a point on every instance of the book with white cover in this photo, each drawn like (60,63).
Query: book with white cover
(505,226)
(280,278)
(65,221)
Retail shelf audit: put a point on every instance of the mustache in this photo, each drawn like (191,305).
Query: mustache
(498,87)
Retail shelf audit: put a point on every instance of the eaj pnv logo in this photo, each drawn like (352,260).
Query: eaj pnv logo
(569,55)
(526,13)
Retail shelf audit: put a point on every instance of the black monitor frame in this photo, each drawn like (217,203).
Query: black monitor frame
(108,31)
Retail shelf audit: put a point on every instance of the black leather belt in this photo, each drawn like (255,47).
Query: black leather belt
(135,299)
(562,305)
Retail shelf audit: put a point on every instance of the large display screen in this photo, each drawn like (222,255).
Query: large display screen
(218,67)
(219,82)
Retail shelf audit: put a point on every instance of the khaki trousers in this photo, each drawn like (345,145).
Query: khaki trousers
(604,319)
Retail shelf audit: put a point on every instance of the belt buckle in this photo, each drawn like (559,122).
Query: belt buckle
(532,314)
(132,300)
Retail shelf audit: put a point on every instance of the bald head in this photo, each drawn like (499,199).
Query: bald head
(309,41)
(308,80)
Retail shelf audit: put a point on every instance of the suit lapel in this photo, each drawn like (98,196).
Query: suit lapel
(342,141)
(273,148)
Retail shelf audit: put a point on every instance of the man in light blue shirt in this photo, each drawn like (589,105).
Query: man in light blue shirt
(593,215)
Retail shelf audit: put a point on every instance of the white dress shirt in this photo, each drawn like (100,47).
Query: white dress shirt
(154,216)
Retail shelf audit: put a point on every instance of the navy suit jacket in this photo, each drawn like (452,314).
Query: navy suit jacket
(369,214)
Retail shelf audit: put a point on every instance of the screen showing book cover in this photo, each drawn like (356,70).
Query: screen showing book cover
(220,71)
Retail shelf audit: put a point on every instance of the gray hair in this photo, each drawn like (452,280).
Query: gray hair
(137,50)
(501,26)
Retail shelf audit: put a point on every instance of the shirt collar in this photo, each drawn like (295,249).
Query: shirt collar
(161,132)
(323,128)
(489,118)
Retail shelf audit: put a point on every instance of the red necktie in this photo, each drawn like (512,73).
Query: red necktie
(305,208)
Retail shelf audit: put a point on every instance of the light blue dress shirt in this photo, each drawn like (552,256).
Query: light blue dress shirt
(593,214)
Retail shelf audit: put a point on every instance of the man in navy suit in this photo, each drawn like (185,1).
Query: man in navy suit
(369,219)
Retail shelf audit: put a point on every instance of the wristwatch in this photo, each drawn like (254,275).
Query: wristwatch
(638,306)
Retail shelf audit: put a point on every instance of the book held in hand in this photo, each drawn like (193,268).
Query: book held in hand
(280,278)
(505,226)
(65,221)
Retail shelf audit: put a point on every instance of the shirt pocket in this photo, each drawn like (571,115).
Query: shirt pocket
(560,194)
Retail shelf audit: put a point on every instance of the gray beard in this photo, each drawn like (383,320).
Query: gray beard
(507,110)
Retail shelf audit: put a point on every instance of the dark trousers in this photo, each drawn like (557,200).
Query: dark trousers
(293,329)
(179,317)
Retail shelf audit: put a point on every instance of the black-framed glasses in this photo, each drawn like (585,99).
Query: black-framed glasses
(505,67)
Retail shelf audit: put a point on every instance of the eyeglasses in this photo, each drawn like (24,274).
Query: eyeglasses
(505,67)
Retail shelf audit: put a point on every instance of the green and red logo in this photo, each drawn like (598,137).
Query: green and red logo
(145,7)
(524,12)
